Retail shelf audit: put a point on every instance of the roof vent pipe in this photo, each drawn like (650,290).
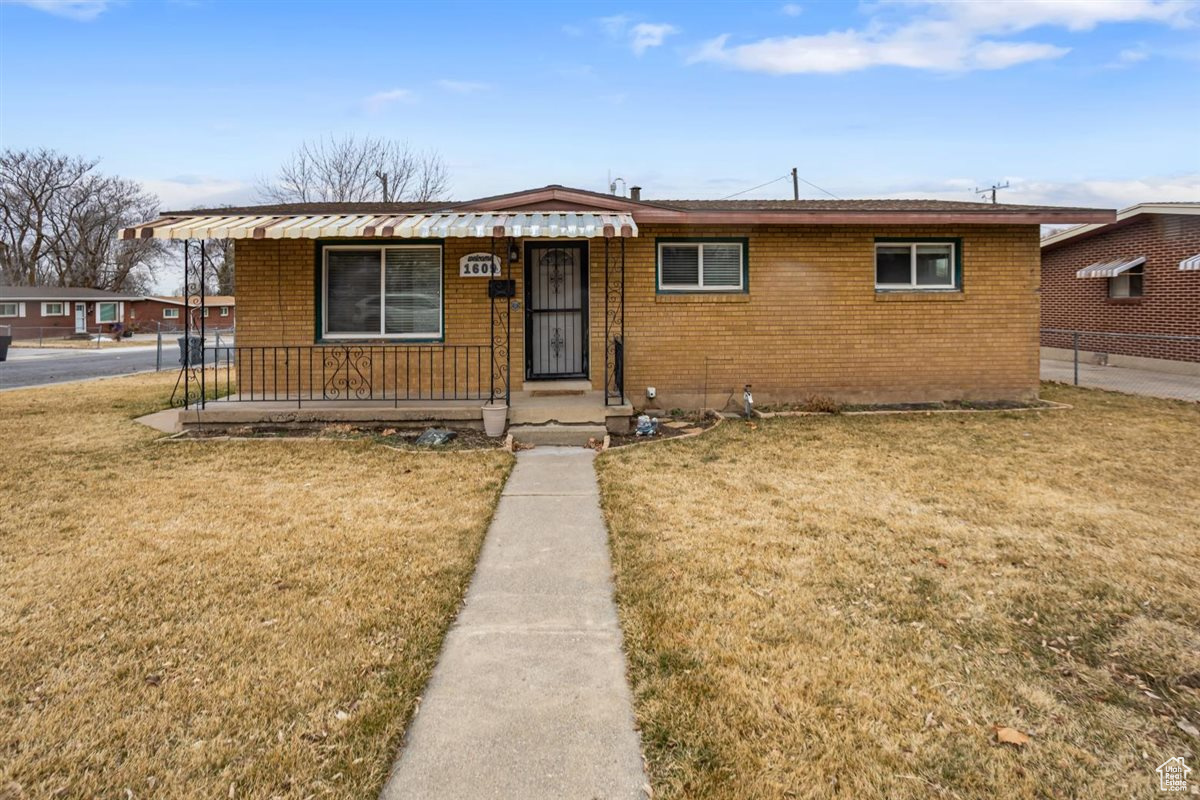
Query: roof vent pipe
(635,193)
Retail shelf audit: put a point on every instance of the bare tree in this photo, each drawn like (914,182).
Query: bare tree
(350,169)
(60,221)
(32,185)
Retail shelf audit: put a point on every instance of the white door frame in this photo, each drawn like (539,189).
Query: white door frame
(81,317)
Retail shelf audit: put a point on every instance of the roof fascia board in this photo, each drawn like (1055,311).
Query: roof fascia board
(643,215)
(1122,216)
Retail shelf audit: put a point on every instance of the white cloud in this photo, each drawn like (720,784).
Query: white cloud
(381,100)
(78,10)
(641,36)
(462,87)
(646,35)
(792,9)
(942,36)
(616,24)
(182,192)
(1132,55)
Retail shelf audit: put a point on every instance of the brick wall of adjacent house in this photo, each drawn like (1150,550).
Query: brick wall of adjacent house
(1171,297)
(810,324)
(147,316)
(33,324)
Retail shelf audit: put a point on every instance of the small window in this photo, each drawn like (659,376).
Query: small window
(224,311)
(206,311)
(170,313)
(10,309)
(916,265)
(1128,283)
(106,312)
(715,266)
(393,292)
(53,310)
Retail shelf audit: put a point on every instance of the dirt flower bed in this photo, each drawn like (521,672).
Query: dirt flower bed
(216,619)
(827,406)
(915,606)
(402,438)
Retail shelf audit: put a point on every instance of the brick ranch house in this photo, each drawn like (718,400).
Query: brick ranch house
(45,311)
(625,303)
(220,311)
(1137,275)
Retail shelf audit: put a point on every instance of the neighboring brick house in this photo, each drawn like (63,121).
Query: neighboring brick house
(166,313)
(1137,275)
(51,311)
(858,300)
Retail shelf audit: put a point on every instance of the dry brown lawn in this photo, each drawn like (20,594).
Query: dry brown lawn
(214,618)
(847,606)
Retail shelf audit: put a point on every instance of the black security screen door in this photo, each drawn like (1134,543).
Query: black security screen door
(556,311)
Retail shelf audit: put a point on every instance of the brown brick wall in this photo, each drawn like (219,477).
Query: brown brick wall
(811,324)
(1171,300)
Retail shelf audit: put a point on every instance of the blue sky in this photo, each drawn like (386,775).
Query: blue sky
(1079,102)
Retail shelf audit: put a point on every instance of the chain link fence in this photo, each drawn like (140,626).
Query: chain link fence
(1151,364)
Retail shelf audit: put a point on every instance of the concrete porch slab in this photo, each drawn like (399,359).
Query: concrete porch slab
(165,421)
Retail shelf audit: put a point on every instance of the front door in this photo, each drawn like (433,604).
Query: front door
(81,317)
(556,297)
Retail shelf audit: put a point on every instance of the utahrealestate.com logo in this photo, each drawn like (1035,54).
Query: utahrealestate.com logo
(1173,775)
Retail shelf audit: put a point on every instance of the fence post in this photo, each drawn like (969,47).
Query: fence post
(40,336)
(158,352)
(1075,342)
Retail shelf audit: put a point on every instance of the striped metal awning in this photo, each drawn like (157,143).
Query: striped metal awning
(1192,263)
(1110,269)
(538,225)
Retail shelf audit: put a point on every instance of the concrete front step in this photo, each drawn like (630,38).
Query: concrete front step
(557,388)
(554,434)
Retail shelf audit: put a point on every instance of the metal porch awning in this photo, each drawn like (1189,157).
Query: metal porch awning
(538,225)
(1110,269)
(1192,263)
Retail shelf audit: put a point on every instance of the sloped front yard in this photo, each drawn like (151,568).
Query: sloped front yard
(850,606)
(216,619)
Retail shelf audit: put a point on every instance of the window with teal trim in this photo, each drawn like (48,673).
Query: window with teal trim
(916,265)
(701,266)
(382,292)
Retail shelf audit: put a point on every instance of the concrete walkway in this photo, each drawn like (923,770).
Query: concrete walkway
(529,698)
(1151,383)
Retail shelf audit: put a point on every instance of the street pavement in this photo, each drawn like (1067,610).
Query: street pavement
(36,366)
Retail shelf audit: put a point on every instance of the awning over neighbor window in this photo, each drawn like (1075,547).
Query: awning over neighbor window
(538,225)
(1110,269)
(1192,263)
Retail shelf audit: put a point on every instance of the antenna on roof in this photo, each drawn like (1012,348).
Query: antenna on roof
(612,186)
(993,188)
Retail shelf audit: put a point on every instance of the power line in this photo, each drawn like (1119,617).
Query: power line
(818,188)
(761,185)
(793,176)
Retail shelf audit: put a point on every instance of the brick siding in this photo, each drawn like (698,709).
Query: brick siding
(811,323)
(1170,303)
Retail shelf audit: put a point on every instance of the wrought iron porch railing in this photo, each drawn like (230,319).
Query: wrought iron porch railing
(353,373)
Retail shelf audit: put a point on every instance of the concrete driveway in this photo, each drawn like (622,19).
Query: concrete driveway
(1150,383)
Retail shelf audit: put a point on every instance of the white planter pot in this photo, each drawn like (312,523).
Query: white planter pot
(494,419)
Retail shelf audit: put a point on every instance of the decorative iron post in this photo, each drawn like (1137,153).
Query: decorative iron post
(614,325)
(203,385)
(186,356)
(492,327)
(500,333)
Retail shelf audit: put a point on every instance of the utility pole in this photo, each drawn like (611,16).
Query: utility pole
(383,178)
(992,189)
(795,184)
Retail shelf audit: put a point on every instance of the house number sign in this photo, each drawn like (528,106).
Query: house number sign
(475,265)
